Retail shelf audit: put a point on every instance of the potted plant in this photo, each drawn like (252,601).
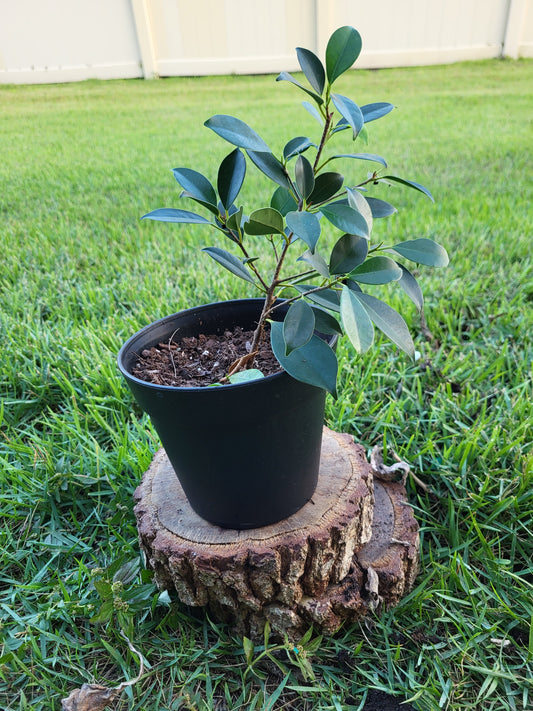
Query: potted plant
(247,448)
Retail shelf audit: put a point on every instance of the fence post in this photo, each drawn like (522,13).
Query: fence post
(513,29)
(143,28)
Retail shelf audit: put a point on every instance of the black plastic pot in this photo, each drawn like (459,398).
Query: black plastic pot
(247,455)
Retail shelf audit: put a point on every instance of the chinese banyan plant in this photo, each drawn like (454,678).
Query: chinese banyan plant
(325,295)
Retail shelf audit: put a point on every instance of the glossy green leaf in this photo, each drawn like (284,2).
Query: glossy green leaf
(170,214)
(359,203)
(271,167)
(377,270)
(305,226)
(196,185)
(364,156)
(296,146)
(408,183)
(423,251)
(230,262)
(326,186)
(298,326)
(245,376)
(305,177)
(356,322)
(283,201)
(237,132)
(348,253)
(327,298)
(342,50)
(212,208)
(285,76)
(313,111)
(380,208)
(265,221)
(230,177)
(312,67)
(317,261)
(389,322)
(411,287)
(345,218)
(235,222)
(371,112)
(314,364)
(325,322)
(349,111)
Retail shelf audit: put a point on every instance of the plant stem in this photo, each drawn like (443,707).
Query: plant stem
(323,139)
(268,303)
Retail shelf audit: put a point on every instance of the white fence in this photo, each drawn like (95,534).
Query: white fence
(44,41)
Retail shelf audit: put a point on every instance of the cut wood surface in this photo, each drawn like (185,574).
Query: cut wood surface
(331,561)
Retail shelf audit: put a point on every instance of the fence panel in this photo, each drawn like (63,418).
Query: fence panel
(68,40)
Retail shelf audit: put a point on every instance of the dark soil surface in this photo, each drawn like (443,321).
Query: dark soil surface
(380,701)
(202,360)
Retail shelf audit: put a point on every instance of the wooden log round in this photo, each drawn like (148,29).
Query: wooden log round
(330,562)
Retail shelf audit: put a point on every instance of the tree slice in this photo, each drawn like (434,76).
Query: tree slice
(300,571)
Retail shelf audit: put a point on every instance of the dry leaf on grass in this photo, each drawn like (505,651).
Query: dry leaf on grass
(91,697)
(95,697)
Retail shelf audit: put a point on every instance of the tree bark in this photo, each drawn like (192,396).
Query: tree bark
(331,562)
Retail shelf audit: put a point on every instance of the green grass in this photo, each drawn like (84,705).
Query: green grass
(80,164)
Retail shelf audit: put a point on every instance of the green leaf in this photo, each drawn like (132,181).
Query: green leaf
(348,253)
(343,48)
(196,185)
(312,67)
(325,322)
(345,218)
(423,251)
(359,203)
(317,261)
(305,177)
(230,262)
(313,111)
(356,322)
(364,156)
(103,588)
(237,132)
(389,322)
(283,201)
(265,221)
(349,111)
(327,298)
(271,167)
(377,270)
(234,221)
(285,76)
(380,208)
(314,364)
(212,208)
(128,571)
(249,649)
(170,214)
(296,146)
(326,186)
(409,183)
(245,376)
(104,614)
(371,112)
(298,326)
(230,177)
(305,226)
(410,285)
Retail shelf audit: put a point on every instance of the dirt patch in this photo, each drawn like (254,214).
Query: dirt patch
(202,360)
(380,701)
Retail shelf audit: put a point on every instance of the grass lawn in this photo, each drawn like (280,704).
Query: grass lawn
(80,164)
